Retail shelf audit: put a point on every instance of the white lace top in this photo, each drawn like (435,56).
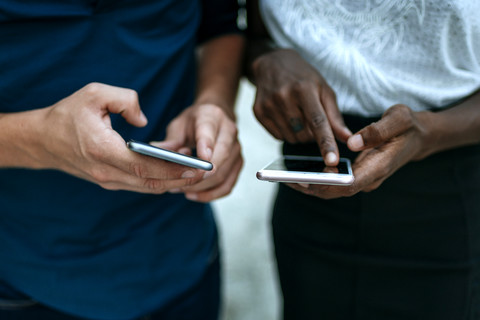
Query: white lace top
(377,53)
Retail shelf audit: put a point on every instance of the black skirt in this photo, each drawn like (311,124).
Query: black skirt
(408,250)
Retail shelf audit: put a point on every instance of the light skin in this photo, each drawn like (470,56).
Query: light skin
(289,88)
(75,134)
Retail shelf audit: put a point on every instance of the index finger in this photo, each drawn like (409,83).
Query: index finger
(319,125)
(147,167)
(207,126)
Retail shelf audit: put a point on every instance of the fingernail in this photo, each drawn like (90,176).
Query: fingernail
(175,191)
(188,174)
(304,185)
(356,142)
(331,158)
(209,153)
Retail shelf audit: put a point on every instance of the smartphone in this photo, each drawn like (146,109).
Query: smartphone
(149,150)
(307,169)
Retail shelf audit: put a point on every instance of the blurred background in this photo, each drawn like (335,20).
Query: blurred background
(250,284)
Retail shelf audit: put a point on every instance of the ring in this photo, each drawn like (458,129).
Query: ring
(296,124)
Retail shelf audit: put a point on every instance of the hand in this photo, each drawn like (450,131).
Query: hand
(385,146)
(78,138)
(207,128)
(294,103)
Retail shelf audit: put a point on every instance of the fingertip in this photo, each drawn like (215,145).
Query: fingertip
(355,142)
(209,153)
(140,120)
(204,150)
(331,159)
(143,119)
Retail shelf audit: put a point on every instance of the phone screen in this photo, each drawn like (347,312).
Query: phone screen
(308,164)
(314,166)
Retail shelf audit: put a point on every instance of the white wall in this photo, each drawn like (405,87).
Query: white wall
(250,286)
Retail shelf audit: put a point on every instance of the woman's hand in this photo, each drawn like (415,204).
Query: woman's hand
(399,137)
(295,104)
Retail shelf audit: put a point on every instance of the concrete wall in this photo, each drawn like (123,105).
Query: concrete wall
(250,286)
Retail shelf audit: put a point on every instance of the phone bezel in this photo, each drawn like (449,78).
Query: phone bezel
(271,173)
(168,155)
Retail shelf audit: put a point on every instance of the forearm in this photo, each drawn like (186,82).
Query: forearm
(259,41)
(20,139)
(219,71)
(454,127)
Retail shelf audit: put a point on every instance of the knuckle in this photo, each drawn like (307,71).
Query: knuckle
(192,181)
(93,88)
(300,86)
(155,185)
(326,143)
(100,176)
(139,170)
(402,113)
(93,151)
(318,121)
(401,109)
(375,134)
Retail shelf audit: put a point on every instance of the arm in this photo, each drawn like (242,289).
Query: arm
(209,123)
(402,136)
(293,102)
(75,136)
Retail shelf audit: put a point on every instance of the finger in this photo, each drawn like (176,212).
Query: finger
(220,172)
(177,132)
(321,191)
(299,127)
(112,178)
(146,167)
(227,151)
(320,126)
(207,127)
(394,122)
(220,190)
(117,100)
(272,118)
(371,168)
(293,122)
(173,145)
(341,131)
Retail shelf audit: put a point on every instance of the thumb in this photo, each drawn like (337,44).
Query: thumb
(394,122)
(121,101)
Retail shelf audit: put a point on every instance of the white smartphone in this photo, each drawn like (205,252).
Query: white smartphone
(149,150)
(306,169)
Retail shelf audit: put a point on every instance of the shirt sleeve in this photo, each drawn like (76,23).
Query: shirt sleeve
(218,17)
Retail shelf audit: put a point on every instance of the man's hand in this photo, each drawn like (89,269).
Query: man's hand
(294,103)
(75,135)
(207,128)
(385,146)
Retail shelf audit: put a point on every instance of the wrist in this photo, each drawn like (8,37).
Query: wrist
(226,105)
(21,139)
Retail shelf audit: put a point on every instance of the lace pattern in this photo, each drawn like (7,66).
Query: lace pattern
(378,53)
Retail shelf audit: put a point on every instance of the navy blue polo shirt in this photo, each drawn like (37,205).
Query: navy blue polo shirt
(69,243)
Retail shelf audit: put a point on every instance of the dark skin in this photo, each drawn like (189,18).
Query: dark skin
(290,90)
